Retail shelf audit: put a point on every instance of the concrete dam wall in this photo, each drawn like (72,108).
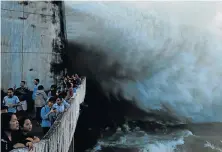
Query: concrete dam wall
(31,40)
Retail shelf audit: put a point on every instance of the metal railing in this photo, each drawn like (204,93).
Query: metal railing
(59,137)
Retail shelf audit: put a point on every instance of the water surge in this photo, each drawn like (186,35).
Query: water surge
(154,62)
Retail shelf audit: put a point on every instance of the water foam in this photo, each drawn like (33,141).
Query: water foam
(208,144)
(143,141)
(171,53)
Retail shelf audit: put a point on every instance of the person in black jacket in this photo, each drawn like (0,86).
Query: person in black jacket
(24,134)
(22,93)
(10,125)
(22,90)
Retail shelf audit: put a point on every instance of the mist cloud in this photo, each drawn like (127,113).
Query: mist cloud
(166,57)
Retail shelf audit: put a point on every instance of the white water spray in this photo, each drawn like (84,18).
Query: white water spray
(171,50)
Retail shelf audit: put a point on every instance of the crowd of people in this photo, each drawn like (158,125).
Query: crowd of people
(19,104)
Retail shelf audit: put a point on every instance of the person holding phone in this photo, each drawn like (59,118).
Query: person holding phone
(61,105)
(46,114)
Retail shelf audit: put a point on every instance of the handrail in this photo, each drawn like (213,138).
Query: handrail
(59,137)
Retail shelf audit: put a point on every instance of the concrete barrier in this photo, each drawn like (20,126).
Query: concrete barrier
(60,135)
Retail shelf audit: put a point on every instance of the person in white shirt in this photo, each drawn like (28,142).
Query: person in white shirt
(22,108)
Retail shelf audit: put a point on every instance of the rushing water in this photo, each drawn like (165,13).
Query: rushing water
(165,58)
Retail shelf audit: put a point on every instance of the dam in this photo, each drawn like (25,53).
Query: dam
(32,41)
(174,73)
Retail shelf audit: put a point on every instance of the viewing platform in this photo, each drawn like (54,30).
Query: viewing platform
(33,40)
(60,137)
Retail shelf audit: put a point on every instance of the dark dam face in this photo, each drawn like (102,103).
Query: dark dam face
(100,111)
